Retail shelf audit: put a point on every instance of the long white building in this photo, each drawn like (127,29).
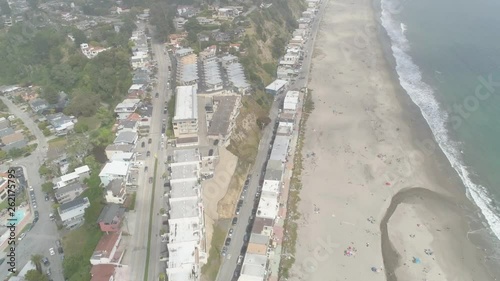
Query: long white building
(185,239)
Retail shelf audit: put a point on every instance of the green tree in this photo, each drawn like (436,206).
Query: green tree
(48,187)
(81,127)
(79,36)
(4,6)
(63,75)
(50,94)
(34,275)
(82,104)
(37,261)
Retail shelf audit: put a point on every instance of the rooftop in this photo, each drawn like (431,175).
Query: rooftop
(12,138)
(268,205)
(183,231)
(110,212)
(254,265)
(102,272)
(115,168)
(78,202)
(273,174)
(68,188)
(222,115)
(271,186)
(184,189)
(188,208)
(186,103)
(184,171)
(126,137)
(260,224)
(186,155)
(182,255)
(276,85)
(106,245)
(280,148)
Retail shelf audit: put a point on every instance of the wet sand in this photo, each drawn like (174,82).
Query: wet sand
(365,142)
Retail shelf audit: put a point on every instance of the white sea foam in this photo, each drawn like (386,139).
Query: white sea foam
(422,95)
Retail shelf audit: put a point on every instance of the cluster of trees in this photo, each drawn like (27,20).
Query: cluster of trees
(162,16)
(36,274)
(48,58)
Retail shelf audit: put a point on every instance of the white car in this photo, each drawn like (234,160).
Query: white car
(21,236)
(51,251)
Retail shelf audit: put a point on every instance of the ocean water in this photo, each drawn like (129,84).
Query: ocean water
(447,58)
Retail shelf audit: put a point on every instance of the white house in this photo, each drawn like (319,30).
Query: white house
(116,192)
(78,175)
(126,107)
(91,52)
(114,170)
(72,213)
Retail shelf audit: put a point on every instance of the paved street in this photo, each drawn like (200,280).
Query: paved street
(138,249)
(44,233)
(226,272)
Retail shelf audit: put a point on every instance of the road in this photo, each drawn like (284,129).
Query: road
(157,247)
(44,233)
(228,266)
(138,249)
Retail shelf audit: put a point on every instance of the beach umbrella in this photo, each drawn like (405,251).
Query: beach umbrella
(416,260)
(374,269)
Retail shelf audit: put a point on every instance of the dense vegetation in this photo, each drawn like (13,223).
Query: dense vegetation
(47,57)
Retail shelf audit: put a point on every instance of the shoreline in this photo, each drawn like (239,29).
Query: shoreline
(356,150)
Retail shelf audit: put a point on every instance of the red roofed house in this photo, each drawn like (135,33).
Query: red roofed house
(102,272)
(107,251)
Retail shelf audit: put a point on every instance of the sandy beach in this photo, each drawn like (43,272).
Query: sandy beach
(379,201)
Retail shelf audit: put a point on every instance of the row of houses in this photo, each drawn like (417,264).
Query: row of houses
(267,229)
(290,64)
(185,237)
(187,67)
(119,176)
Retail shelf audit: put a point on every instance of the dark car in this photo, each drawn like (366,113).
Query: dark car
(148,153)
(235,221)
(143,144)
(45,261)
(150,140)
(145,168)
(157,95)
(37,214)
(47,198)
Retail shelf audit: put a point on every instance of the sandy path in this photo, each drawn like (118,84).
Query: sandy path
(361,148)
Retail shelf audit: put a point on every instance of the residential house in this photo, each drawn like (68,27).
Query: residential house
(221,36)
(126,107)
(111,217)
(80,174)
(116,192)
(69,192)
(114,170)
(140,77)
(113,149)
(72,213)
(107,250)
(91,52)
(39,105)
(127,126)
(15,140)
(126,137)
(103,272)
(7,131)
(179,23)
(226,110)
(4,123)
(61,123)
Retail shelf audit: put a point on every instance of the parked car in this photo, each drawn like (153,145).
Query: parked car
(150,141)
(148,153)
(230,233)
(45,261)
(240,259)
(228,241)
(21,236)
(157,95)
(143,144)
(51,251)
(235,221)
(224,251)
